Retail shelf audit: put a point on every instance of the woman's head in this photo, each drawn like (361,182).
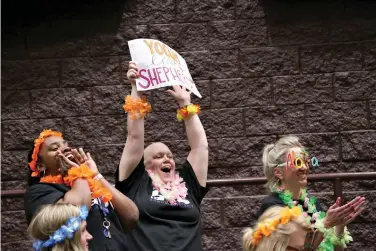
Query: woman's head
(278,164)
(278,229)
(158,159)
(43,157)
(66,223)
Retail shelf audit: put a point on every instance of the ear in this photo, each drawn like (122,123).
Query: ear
(40,167)
(278,173)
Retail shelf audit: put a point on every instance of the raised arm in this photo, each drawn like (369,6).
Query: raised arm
(199,155)
(134,146)
(124,207)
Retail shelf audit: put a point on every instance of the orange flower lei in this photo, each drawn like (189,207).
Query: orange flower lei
(136,106)
(265,229)
(187,111)
(37,143)
(96,188)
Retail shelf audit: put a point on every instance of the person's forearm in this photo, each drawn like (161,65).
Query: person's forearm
(195,133)
(79,194)
(124,207)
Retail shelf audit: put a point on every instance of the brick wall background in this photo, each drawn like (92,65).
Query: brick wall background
(264,69)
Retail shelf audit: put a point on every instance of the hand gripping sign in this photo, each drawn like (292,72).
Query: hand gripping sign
(159,66)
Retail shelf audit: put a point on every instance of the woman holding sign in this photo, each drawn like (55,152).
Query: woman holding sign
(286,165)
(169,202)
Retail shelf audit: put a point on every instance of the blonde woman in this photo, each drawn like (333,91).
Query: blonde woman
(280,229)
(286,166)
(60,227)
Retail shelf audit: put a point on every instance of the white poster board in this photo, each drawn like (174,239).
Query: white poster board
(159,66)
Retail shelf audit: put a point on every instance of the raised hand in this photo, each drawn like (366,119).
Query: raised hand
(85,158)
(132,73)
(182,96)
(65,163)
(342,215)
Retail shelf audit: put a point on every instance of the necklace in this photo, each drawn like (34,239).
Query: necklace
(309,204)
(172,191)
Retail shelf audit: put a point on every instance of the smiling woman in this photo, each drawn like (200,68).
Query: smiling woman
(169,201)
(60,174)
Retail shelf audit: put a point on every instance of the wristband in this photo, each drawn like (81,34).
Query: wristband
(187,111)
(98,176)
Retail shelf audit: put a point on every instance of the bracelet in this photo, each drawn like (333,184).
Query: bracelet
(187,111)
(331,240)
(136,107)
(98,176)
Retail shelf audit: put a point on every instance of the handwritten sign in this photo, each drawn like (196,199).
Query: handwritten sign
(159,66)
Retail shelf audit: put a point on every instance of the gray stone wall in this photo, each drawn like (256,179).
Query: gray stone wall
(265,69)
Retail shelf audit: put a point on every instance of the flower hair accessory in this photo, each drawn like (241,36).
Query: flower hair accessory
(37,143)
(64,232)
(136,107)
(269,226)
(187,111)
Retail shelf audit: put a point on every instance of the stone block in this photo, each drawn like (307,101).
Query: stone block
(324,146)
(370,56)
(109,99)
(20,134)
(13,226)
(107,157)
(303,89)
(268,61)
(355,85)
(14,184)
(337,116)
(274,119)
(181,37)
(241,211)
(163,126)
(81,131)
(372,119)
(222,239)
(14,165)
(223,123)
(15,105)
(241,92)
(29,74)
(163,101)
(61,102)
(212,65)
(329,58)
(298,33)
(196,11)
(80,72)
(249,9)
(12,204)
(211,213)
(237,34)
(17,246)
(358,145)
(225,152)
(235,172)
(353,30)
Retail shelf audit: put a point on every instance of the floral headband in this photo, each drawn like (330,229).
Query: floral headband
(64,232)
(269,226)
(37,143)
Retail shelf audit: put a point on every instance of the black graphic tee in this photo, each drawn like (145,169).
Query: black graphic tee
(163,226)
(47,193)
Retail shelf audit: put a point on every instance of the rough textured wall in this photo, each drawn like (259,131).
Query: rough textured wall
(264,70)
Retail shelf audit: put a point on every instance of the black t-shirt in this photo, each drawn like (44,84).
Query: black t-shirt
(48,193)
(162,226)
(275,200)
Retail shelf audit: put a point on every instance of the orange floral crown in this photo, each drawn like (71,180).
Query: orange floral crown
(269,226)
(37,143)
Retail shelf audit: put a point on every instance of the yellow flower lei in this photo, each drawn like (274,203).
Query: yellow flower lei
(269,226)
